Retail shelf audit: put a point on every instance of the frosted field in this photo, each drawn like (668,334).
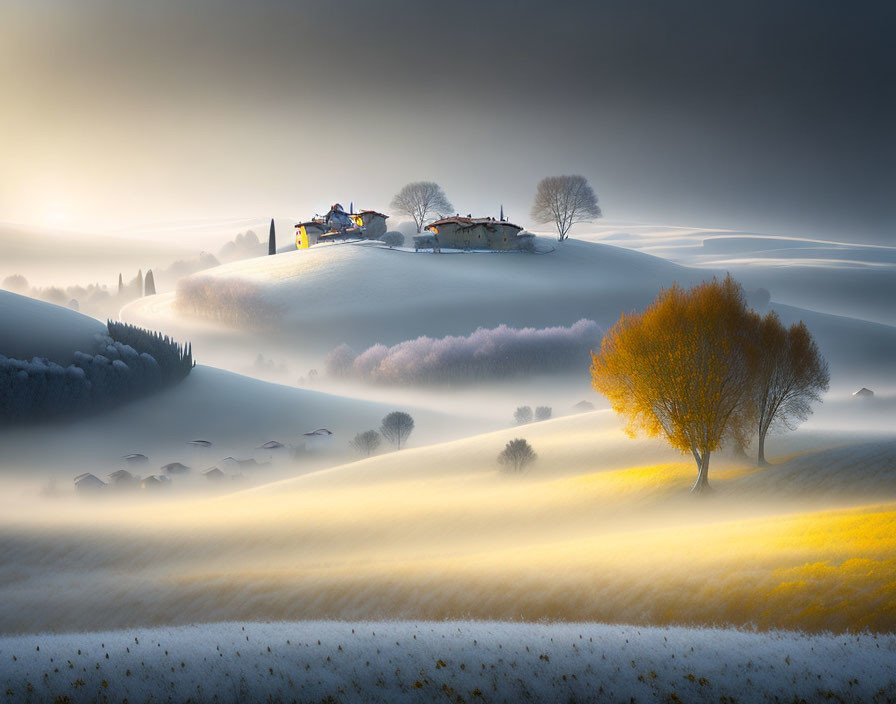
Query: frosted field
(601,528)
(409,544)
(308,302)
(454,661)
(843,278)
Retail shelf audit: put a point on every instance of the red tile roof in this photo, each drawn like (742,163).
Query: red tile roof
(471,222)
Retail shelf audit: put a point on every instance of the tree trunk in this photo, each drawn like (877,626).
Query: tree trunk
(702,484)
(762,461)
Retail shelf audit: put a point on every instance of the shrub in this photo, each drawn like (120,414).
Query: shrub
(486,354)
(517,455)
(543,413)
(339,361)
(393,239)
(522,415)
(759,299)
(366,443)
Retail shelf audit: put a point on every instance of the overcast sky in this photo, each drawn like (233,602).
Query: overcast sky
(771,116)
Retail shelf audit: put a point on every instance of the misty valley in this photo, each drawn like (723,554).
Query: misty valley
(468,353)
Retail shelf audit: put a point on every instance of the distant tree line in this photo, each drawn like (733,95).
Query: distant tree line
(127,363)
(486,354)
(523,414)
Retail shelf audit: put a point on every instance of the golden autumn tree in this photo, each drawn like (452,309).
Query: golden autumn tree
(683,369)
(791,374)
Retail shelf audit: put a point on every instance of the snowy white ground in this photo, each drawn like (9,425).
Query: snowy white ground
(463,661)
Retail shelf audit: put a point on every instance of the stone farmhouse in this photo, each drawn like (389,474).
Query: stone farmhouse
(477,233)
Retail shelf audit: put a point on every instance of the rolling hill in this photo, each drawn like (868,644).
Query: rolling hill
(31,328)
(309,301)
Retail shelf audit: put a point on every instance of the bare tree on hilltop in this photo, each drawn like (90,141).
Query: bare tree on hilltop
(564,201)
(421,199)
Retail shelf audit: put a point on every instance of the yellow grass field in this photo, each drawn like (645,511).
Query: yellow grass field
(439,533)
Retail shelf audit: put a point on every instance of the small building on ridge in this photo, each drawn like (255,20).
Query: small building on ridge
(480,233)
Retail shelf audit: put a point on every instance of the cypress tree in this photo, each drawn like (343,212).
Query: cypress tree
(272,240)
(149,284)
(120,283)
(139,282)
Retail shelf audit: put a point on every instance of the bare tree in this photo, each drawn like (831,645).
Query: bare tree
(564,201)
(397,426)
(522,415)
(419,200)
(517,454)
(791,375)
(367,442)
(543,413)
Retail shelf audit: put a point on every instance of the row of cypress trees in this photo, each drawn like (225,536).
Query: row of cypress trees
(145,286)
(127,363)
(174,359)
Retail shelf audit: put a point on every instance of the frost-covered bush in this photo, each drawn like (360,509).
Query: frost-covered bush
(228,300)
(124,365)
(339,361)
(393,239)
(486,354)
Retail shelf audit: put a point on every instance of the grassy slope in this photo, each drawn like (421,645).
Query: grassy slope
(589,533)
(234,412)
(31,328)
